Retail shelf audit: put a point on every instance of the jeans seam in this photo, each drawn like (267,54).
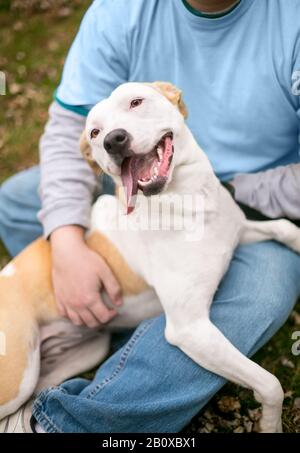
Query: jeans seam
(40,415)
(46,423)
(123,359)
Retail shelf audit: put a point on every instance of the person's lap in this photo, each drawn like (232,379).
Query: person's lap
(149,385)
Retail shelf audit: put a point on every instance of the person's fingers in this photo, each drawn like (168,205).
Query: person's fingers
(61,309)
(101,312)
(88,318)
(111,285)
(74,317)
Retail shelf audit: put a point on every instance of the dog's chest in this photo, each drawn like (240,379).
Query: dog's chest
(152,249)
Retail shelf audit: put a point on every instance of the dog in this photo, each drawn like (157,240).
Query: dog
(139,137)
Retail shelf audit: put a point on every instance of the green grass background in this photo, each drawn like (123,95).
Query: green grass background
(33,45)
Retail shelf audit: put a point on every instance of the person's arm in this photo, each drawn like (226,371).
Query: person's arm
(275,193)
(67,182)
(96,64)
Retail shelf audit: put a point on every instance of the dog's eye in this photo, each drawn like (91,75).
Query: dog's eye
(136,102)
(95,133)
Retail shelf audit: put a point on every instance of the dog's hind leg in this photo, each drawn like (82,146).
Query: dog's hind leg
(281,230)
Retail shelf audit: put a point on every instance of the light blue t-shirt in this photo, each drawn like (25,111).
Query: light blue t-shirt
(235,72)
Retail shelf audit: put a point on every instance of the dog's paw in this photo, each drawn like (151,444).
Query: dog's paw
(264,427)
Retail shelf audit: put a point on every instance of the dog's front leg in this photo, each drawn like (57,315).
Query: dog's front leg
(189,328)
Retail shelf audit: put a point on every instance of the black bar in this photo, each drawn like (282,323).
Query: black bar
(144,442)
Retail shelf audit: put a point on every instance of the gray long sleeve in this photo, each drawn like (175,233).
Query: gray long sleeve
(67,183)
(275,192)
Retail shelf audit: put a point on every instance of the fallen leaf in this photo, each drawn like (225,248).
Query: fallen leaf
(207,414)
(295,317)
(65,12)
(203,430)
(209,427)
(15,88)
(18,26)
(296,403)
(287,363)
(22,70)
(53,45)
(229,404)
(248,426)
(20,56)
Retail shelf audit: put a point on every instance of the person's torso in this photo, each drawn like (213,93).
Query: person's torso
(235,73)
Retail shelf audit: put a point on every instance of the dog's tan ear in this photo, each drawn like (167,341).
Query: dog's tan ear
(172,93)
(87,154)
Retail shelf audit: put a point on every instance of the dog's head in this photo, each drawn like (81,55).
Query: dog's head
(131,135)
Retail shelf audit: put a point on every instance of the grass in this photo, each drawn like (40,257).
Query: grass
(32,52)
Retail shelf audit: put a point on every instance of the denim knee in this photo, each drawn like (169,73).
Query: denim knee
(258,293)
(19,205)
(281,270)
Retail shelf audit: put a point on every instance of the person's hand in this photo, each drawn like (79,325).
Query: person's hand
(79,274)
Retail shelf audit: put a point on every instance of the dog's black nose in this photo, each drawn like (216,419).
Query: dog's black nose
(117,143)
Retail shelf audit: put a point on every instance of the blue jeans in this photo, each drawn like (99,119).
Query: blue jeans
(148,385)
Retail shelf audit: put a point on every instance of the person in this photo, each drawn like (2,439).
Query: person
(235,62)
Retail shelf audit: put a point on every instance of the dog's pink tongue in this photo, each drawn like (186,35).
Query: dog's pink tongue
(130,181)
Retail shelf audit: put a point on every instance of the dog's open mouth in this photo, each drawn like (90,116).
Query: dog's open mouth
(148,172)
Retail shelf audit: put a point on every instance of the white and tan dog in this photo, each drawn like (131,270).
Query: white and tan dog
(139,137)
